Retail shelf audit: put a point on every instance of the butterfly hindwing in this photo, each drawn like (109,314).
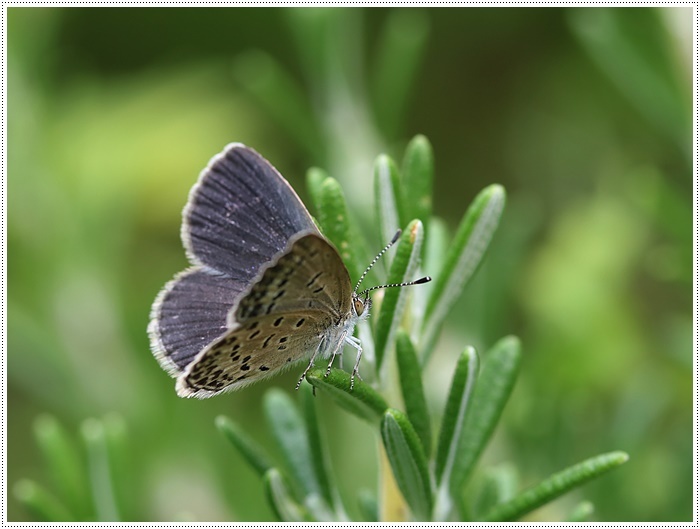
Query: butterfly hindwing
(241,213)
(260,347)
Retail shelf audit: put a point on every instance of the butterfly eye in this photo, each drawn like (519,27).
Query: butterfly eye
(359,306)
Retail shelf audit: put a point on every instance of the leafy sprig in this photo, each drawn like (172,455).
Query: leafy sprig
(431,476)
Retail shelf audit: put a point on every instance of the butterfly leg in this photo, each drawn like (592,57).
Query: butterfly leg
(311,363)
(336,352)
(355,342)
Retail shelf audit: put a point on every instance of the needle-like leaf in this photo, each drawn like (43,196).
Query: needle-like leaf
(249,449)
(408,462)
(463,258)
(362,400)
(411,381)
(403,269)
(554,486)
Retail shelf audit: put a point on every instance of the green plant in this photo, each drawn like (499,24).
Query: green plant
(429,471)
(88,477)
(430,476)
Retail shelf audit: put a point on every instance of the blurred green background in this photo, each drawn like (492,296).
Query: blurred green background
(583,114)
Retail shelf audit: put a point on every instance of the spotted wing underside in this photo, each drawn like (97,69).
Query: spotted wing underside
(279,320)
(262,346)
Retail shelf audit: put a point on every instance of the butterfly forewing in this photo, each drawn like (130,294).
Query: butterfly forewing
(241,213)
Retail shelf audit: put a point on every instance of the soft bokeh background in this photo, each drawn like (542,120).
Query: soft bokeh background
(584,115)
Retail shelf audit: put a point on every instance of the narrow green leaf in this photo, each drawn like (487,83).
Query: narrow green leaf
(555,486)
(42,505)
(362,400)
(314,181)
(249,449)
(274,90)
(368,505)
(458,402)
(412,389)
(581,513)
(334,219)
(388,197)
(65,465)
(101,478)
(281,501)
(120,464)
(400,52)
(434,252)
(289,430)
(417,171)
(464,255)
(493,387)
(408,462)
(436,244)
(452,430)
(319,460)
(403,268)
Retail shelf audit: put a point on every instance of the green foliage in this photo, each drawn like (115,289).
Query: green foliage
(408,462)
(463,382)
(411,380)
(554,486)
(431,484)
(389,202)
(403,269)
(334,218)
(362,400)
(302,488)
(250,451)
(463,258)
(86,477)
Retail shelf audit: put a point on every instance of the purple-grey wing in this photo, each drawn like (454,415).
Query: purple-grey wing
(241,213)
(190,313)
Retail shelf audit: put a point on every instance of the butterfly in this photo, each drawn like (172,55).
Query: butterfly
(265,288)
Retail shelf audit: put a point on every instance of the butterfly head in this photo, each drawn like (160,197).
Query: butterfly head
(361,305)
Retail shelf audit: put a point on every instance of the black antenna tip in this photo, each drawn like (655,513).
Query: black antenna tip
(422,280)
(396,237)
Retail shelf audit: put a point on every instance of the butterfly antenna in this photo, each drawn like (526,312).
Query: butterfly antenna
(420,281)
(393,240)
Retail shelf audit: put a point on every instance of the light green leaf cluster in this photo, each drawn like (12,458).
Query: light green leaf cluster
(87,475)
